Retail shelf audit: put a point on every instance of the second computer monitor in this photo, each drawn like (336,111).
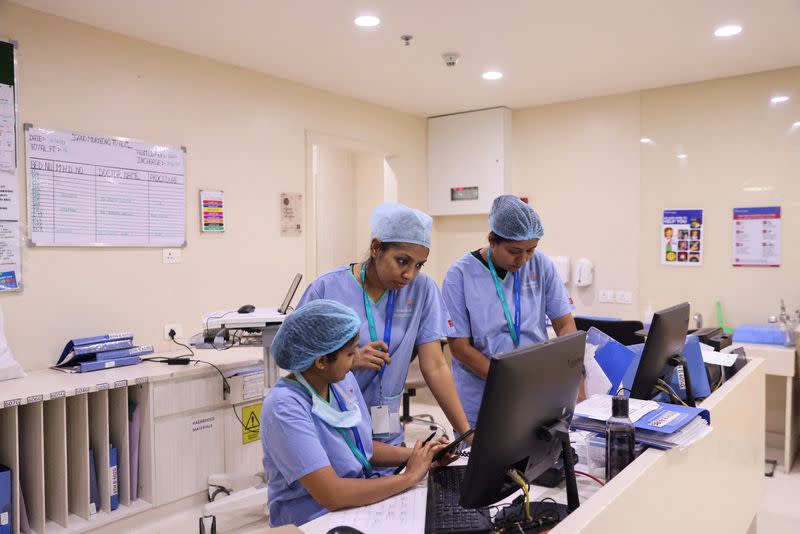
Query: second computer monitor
(665,340)
(526,391)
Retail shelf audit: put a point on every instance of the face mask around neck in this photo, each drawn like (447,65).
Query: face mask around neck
(325,410)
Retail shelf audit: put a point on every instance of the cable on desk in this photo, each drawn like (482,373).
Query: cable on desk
(590,476)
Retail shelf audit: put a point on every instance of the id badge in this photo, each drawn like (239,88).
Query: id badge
(381,420)
(394,422)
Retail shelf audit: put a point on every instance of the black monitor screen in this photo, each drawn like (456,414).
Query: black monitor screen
(526,390)
(665,339)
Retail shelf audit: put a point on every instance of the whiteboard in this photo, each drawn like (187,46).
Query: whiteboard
(91,190)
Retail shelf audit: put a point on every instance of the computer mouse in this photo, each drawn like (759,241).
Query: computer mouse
(344,530)
(247,308)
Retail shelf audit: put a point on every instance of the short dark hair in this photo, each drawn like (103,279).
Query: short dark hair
(497,239)
(333,355)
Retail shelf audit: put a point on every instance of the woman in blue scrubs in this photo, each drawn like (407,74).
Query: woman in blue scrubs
(499,297)
(400,309)
(318,450)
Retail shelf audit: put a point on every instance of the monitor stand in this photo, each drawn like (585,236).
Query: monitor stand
(556,431)
(680,362)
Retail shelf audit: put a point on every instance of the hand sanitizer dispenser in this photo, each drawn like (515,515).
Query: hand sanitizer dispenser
(583,272)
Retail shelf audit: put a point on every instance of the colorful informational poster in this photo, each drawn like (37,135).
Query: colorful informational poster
(291,214)
(10,257)
(682,237)
(757,237)
(212,211)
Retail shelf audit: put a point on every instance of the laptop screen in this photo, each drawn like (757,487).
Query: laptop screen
(290,294)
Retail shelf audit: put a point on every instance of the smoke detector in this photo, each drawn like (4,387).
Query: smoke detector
(451,58)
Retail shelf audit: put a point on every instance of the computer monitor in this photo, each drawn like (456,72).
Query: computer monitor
(287,300)
(622,331)
(663,352)
(524,419)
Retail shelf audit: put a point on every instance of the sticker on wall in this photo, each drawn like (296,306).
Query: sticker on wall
(212,211)
(682,237)
(757,237)
(252,426)
(291,214)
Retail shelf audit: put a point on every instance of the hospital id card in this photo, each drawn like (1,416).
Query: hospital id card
(384,421)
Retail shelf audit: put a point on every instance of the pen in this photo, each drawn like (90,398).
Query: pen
(403,465)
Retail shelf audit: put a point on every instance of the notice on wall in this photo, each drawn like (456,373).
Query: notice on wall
(252,426)
(9,195)
(682,237)
(8,128)
(757,237)
(10,253)
(291,214)
(212,208)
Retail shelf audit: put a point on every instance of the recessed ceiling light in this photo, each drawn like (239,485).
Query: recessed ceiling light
(492,75)
(728,31)
(682,156)
(796,124)
(367,21)
(646,141)
(780,99)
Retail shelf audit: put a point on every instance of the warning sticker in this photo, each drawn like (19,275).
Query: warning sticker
(252,426)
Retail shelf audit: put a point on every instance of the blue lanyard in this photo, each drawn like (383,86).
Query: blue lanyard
(513,326)
(358,450)
(387,327)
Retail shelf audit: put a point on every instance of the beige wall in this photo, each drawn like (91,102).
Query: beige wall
(742,152)
(245,133)
(335,179)
(578,162)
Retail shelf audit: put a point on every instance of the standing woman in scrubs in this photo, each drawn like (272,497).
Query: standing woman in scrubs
(400,309)
(499,297)
(316,435)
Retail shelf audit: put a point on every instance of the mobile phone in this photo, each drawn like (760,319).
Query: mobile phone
(451,447)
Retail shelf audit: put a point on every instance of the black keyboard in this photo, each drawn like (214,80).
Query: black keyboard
(444,514)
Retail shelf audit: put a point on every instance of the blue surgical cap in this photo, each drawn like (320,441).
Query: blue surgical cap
(316,329)
(512,219)
(396,223)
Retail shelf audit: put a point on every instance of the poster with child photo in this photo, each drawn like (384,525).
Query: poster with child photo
(682,237)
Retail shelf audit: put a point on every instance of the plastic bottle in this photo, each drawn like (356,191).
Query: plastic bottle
(620,438)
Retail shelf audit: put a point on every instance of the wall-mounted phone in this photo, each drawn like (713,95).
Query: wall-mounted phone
(583,272)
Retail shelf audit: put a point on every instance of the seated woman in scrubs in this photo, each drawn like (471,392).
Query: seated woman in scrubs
(315,429)
(400,309)
(499,297)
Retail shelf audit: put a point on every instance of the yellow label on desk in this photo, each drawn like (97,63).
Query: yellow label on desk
(252,425)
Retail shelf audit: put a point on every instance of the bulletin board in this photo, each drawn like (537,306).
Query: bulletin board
(94,190)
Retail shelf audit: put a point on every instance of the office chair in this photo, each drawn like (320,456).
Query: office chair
(622,331)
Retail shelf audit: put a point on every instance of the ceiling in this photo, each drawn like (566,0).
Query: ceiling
(548,50)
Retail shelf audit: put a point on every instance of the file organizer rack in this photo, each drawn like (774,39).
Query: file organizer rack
(47,441)
(49,421)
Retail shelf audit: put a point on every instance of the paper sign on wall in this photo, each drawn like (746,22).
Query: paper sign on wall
(212,208)
(757,237)
(252,426)
(682,237)
(10,272)
(291,214)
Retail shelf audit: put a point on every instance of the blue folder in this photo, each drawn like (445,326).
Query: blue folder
(613,357)
(697,370)
(5,500)
(112,461)
(124,353)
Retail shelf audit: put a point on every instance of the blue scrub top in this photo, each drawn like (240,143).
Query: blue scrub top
(297,443)
(476,311)
(419,317)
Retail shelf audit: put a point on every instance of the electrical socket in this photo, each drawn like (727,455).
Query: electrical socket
(173,326)
(623,297)
(606,295)
(172,255)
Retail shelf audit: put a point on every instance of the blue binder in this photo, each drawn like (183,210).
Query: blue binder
(5,500)
(86,367)
(112,461)
(697,369)
(613,357)
(124,353)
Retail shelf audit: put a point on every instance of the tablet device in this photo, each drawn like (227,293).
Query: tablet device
(451,447)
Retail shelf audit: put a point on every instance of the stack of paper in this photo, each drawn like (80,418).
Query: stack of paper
(663,426)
